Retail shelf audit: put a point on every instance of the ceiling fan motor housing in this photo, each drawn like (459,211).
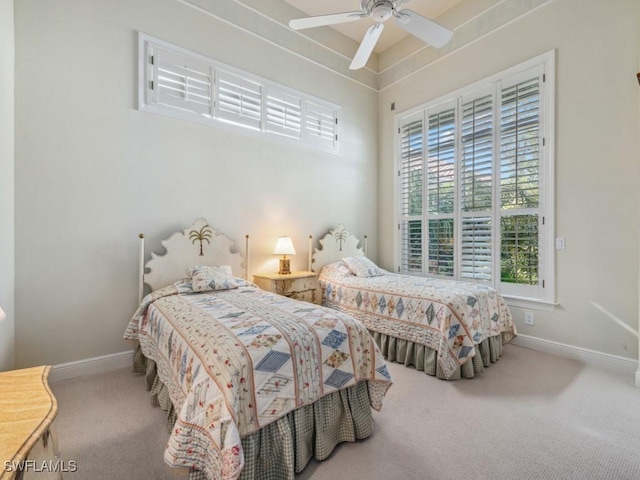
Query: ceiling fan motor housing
(381,11)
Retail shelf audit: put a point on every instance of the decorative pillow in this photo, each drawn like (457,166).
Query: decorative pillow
(336,268)
(205,279)
(363,267)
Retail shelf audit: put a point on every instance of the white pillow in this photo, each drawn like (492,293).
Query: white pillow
(363,267)
(205,278)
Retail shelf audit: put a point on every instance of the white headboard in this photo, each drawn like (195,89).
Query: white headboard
(336,244)
(198,244)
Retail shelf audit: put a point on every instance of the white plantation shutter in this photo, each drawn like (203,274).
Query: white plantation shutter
(475,196)
(181,84)
(441,150)
(284,113)
(320,125)
(441,247)
(476,259)
(239,100)
(520,181)
(441,183)
(519,145)
(476,188)
(411,175)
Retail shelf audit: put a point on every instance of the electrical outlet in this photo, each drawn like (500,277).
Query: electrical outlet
(560,243)
(529,319)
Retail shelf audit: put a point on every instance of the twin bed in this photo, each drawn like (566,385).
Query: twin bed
(445,328)
(255,384)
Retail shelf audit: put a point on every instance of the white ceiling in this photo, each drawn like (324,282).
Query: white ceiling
(392,33)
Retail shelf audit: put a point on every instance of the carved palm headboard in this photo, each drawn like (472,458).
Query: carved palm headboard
(336,244)
(198,244)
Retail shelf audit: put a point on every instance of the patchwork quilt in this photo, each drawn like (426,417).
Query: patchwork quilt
(236,360)
(445,315)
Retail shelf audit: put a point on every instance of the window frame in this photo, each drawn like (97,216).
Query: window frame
(148,100)
(546,296)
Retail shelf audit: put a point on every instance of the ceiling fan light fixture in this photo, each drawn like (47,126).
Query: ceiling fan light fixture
(381,12)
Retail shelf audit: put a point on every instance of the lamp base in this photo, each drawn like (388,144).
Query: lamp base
(284,266)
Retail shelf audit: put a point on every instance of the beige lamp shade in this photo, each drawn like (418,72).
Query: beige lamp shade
(284,247)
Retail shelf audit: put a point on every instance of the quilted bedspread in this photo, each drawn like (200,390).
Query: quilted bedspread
(445,315)
(237,360)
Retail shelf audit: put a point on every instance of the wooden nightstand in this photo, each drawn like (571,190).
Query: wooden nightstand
(298,285)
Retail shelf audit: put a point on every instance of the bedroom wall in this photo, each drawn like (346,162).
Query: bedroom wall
(7,327)
(597,153)
(92,171)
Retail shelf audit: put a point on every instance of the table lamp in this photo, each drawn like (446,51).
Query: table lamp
(284,247)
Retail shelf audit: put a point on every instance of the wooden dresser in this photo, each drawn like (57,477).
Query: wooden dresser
(27,411)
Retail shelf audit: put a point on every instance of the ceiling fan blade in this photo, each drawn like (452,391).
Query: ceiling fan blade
(426,30)
(366,47)
(324,20)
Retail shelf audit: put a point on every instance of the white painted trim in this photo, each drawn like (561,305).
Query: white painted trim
(90,366)
(615,363)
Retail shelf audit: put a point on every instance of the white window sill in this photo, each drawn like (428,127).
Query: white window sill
(530,303)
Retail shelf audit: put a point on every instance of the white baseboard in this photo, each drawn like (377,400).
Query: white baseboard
(615,363)
(621,365)
(90,366)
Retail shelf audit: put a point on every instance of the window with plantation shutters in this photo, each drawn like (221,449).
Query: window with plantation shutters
(479,162)
(181,84)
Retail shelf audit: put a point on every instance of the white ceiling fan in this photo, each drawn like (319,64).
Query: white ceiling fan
(380,11)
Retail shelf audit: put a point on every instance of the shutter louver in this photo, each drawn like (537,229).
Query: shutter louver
(284,114)
(476,189)
(476,256)
(519,145)
(477,155)
(239,100)
(411,238)
(182,82)
(441,163)
(411,174)
(441,247)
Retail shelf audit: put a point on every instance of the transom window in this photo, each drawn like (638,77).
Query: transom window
(475,171)
(183,84)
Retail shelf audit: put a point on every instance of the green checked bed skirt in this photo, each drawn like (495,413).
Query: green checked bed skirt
(425,359)
(284,447)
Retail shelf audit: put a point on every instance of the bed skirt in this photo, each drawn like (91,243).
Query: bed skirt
(425,359)
(284,447)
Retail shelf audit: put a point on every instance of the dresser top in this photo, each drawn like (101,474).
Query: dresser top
(27,408)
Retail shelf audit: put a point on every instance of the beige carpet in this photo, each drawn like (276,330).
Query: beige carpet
(529,416)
